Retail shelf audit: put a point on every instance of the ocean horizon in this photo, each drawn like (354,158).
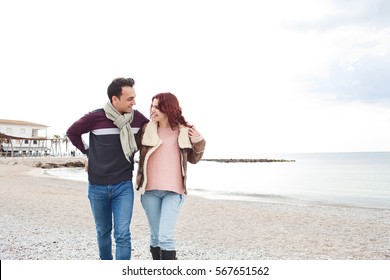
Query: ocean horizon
(355,179)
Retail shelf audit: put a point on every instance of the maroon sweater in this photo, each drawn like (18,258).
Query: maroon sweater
(107,163)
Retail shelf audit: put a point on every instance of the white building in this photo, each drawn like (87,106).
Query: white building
(23,138)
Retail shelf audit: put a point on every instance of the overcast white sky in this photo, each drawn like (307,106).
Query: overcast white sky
(253,76)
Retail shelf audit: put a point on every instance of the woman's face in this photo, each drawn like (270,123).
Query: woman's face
(156,114)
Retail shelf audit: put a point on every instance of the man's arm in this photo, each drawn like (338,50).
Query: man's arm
(77,129)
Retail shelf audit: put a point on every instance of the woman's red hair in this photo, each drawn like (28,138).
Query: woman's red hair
(169,105)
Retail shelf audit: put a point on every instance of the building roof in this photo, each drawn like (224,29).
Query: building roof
(23,123)
(6,136)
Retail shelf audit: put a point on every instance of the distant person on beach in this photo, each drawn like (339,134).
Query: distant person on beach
(112,143)
(167,143)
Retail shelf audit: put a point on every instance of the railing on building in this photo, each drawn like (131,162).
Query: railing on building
(13,146)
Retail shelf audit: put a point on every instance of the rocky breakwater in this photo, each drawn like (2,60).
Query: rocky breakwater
(49,165)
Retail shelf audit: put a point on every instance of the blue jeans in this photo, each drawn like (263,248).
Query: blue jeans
(162,209)
(112,203)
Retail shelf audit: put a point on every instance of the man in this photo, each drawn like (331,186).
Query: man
(110,165)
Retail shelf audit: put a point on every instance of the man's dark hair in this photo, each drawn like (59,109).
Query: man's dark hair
(115,88)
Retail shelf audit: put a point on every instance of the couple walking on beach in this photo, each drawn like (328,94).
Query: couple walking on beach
(166,143)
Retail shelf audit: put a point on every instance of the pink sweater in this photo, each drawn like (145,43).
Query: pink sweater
(164,165)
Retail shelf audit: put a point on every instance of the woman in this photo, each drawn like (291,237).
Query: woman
(167,142)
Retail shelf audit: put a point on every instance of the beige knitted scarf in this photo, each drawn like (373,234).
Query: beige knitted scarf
(123,122)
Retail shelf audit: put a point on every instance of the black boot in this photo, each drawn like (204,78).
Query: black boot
(156,253)
(168,255)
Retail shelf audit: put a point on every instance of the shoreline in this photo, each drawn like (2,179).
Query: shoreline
(60,170)
(55,218)
(228,196)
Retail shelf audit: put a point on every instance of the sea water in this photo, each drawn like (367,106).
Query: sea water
(348,179)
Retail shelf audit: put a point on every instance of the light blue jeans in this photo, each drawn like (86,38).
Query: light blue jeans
(162,209)
(112,203)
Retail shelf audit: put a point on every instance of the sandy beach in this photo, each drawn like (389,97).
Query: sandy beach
(48,218)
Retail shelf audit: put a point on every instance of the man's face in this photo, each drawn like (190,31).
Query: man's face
(125,103)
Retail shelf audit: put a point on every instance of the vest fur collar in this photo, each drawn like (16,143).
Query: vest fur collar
(150,137)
